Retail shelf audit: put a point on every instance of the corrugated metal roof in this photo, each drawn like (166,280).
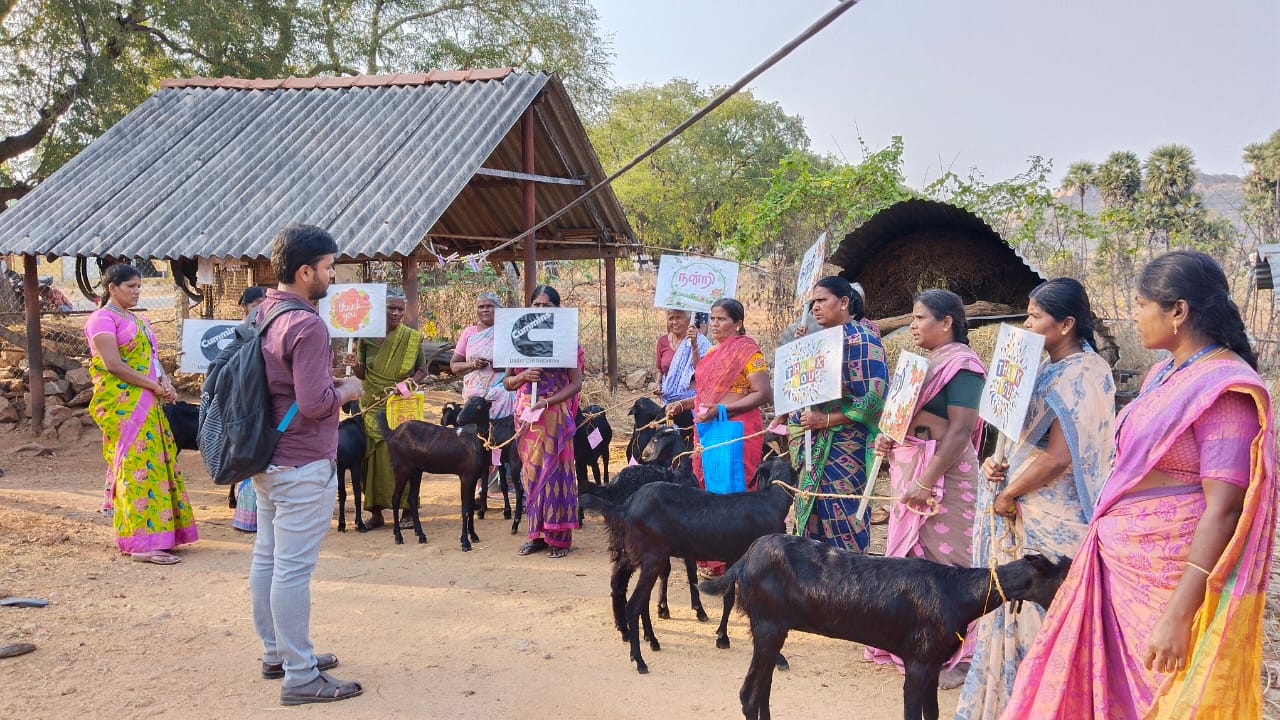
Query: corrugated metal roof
(213,167)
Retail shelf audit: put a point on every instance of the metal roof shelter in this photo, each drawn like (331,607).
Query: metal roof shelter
(408,167)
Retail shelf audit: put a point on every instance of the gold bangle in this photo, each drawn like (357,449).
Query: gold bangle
(1197,567)
(828,420)
(922,486)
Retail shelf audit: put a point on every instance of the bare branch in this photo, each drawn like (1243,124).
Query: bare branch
(414,17)
(137,26)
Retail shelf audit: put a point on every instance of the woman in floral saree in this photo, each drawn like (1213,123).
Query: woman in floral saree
(1055,470)
(1161,614)
(842,429)
(150,511)
(382,363)
(546,445)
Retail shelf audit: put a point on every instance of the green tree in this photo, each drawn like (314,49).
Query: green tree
(1173,212)
(1262,187)
(691,193)
(1078,179)
(1118,179)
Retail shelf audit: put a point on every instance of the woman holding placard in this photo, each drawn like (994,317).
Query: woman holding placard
(732,382)
(1054,472)
(546,445)
(473,360)
(383,363)
(678,351)
(1161,616)
(841,428)
(935,473)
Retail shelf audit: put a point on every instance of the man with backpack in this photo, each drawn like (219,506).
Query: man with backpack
(297,491)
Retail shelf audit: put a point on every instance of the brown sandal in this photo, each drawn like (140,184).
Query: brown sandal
(532,547)
(325,688)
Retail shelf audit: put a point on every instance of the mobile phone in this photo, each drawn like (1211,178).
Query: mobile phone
(700,319)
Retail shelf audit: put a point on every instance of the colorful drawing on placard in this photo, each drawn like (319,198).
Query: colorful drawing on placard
(807,371)
(355,310)
(904,391)
(811,269)
(689,283)
(1014,366)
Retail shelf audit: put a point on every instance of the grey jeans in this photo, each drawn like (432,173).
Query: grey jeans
(295,506)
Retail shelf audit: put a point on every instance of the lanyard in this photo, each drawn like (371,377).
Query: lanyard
(1170,370)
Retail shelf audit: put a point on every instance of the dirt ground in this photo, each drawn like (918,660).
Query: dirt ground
(429,630)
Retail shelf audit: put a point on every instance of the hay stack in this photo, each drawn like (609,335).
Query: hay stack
(982,340)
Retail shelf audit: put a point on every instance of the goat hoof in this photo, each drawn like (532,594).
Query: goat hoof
(722,643)
(702,615)
(399,541)
(642,668)
(474,537)
(422,539)
(466,548)
(654,646)
(782,663)
(480,514)
(506,515)
(342,528)
(664,613)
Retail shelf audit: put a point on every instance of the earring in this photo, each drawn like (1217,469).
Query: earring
(1175,327)
(1064,332)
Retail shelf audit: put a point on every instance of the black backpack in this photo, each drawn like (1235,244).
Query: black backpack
(236,436)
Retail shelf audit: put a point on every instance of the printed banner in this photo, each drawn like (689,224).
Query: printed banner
(1011,378)
(355,310)
(535,337)
(691,283)
(808,371)
(904,391)
(202,340)
(811,270)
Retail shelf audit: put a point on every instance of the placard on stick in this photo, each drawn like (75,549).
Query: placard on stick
(692,283)
(811,270)
(202,340)
(807,371)
(535,337)
(355,310)
(904,391)
(1011,378)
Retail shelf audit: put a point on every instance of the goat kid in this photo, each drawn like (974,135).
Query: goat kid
(476,412)
(351,448)
(662,520)
(911,607)
(590,419)
(416,447)
(644,411)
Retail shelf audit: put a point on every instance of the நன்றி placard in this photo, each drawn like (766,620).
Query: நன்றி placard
(692,283)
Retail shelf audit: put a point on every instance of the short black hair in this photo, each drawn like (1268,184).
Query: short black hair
(297,245)
(253,293)
(547,290)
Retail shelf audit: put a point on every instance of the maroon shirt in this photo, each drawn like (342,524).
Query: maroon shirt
(299,363)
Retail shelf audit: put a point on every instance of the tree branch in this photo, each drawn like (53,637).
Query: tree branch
(132,25)
(414,17)
(13,192)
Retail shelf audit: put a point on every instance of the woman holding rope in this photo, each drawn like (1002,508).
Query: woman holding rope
(546,445)
(1043,496)
(936,471)
(842,429)
(382,363)
(1161,615)
(678,352)
(733,376)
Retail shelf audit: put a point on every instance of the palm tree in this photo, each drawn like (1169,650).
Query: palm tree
(1169,174)
(1118,179)
(1078,179)
(1262,186)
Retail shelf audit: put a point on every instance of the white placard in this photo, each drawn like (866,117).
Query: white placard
(808,371)
(535,337)
(811,269)
(1011,378)
(904,391)
(692,283)
(202,340)
(355,310)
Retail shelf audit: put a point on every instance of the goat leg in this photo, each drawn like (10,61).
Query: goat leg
(396,494)
(768,639)
(722,632)
(691,571)
(482,497)
(519,485)
(618,580)
(505,488)
(920,682)
(664,612)
(342,504)
(468,485)
(356,488)
(415,490)
(231,496)
(636,606)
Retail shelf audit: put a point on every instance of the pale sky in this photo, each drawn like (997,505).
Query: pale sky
(982,83)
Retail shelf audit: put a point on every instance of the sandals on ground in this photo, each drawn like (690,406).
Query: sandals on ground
(325,688)
(532,546)
(275,671)
(156,557)
(558,552)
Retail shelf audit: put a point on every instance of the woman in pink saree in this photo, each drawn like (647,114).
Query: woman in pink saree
(936,471)
(1161,615)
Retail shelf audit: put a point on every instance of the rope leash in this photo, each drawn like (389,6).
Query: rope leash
(841,496)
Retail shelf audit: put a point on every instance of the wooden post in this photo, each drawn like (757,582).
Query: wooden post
(409,269)
(611,319)
(35,353)
(530,205)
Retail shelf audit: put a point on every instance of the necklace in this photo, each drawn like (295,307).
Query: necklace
(119,311)
(1169,370)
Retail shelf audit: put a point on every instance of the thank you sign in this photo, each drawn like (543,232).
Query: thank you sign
(904,391)
(202,340)
(807,371)
(1011,377)
(535,337)
(355,310)
(690,283)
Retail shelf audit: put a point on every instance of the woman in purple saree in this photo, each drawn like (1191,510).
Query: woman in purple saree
(1161,615)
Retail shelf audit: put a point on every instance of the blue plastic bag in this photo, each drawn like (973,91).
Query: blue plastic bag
(722,468)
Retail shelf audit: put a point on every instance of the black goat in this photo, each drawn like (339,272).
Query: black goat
(911,607)
(498,432)
(184,423)
(449,414)
(416,447)
(351,449)
(662,519)
(590,419)
(643,412)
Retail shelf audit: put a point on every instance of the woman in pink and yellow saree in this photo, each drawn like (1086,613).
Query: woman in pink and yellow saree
(1161,616)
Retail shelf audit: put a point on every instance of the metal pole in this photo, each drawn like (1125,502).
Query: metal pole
(530,205)
(35,352)
(611,319)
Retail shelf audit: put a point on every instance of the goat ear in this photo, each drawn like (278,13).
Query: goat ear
(632,411)
(1039,562)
